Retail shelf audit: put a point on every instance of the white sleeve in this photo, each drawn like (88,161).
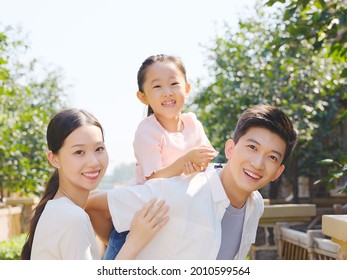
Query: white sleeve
(125,201)
(79,239)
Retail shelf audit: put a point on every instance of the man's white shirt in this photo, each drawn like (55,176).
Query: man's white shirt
(197,204)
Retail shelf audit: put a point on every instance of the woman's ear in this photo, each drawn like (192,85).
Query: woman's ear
(52,158)
(229,146)
(142,97)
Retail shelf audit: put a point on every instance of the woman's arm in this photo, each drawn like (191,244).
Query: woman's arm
(99,213)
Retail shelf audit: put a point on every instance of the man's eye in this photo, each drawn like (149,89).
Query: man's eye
(274,158)
(157,86)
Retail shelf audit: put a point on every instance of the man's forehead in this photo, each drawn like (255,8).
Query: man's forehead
(266,138)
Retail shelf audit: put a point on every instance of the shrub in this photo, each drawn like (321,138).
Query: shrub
(11,249)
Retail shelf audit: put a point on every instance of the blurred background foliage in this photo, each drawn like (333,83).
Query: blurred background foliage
(292,55)
(30,93)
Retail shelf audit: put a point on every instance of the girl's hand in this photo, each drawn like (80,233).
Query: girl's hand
(190,167)
(201,156)
(144,226)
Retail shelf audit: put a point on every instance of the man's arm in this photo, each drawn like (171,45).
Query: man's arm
(99,213)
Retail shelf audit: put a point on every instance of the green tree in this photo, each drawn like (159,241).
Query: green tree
(247,71)
(29,95)
(323,25)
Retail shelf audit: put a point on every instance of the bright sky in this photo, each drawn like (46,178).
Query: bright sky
(100,44)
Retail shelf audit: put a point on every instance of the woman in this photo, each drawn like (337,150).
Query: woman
(60,228)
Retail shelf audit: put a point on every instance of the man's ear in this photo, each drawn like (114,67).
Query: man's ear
(142,97)
(229,146)
(52,158)
(279,172)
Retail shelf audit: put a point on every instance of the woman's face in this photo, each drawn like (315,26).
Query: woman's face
(83,159)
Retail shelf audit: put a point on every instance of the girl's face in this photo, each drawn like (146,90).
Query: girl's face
(165,89)
(82,160)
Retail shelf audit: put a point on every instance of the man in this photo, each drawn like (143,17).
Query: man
(213,214)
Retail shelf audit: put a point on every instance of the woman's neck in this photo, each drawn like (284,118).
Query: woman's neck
(79,198)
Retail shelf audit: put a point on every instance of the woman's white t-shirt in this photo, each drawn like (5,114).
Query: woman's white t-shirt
(64,232)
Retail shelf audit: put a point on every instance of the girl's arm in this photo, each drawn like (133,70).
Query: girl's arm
(197,158)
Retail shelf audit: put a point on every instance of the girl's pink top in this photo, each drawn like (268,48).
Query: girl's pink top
(155,148)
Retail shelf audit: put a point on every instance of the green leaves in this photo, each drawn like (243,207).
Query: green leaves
(337,173)
(26,105)
(267,61)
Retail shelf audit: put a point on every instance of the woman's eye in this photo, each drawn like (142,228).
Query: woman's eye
(79,152)
(252,147)
(99,149)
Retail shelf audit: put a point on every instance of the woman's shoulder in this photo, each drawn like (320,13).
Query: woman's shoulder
(66,209)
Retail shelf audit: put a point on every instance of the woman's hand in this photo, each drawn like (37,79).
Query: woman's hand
(144,226)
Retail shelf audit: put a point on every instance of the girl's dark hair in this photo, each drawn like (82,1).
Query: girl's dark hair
(141,74)
(271,118)
(59,128)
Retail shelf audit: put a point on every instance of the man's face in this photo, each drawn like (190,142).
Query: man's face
(255,160)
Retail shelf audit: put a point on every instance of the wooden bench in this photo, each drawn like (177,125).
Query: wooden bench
(310,245)
(335,226)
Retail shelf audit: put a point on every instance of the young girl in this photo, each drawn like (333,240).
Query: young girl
(168,142)
(60,228)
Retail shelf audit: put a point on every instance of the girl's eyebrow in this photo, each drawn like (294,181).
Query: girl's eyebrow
(256,142)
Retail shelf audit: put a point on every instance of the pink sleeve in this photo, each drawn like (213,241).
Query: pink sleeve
(147,148)
(202,138)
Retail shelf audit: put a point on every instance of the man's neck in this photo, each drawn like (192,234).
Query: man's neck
(236,195)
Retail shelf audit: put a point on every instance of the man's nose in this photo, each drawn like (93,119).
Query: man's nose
(258,162)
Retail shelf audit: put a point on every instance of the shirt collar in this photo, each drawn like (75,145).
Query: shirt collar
(217,189)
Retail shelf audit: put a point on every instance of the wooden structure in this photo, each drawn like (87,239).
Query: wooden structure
(10,222)
(335,226)
(274,214)
(297,245)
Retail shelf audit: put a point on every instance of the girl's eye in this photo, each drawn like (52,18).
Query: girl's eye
(79,152)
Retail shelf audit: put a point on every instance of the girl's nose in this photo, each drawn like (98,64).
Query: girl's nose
(167,91)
